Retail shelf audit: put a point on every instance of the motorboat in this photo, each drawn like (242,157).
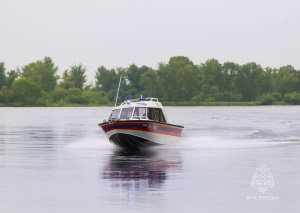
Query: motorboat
(139,123)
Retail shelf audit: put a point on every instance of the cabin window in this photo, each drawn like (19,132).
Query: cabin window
(126,113)
(114,114)
(159,115)
(150,113)
(139,113)
(156,114)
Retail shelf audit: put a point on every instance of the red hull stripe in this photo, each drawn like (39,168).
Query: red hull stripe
(147,127)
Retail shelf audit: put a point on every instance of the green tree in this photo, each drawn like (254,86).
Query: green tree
(77,75)
(2,75)
(267,99)
(211,78)
(297,75)
(149,81)
(292,98)
(288,98)
(190,77)
(212,72)
(277,96)
(26,91)
(11,77)
(249,80)
(229,71)
(5,95)
(67,82)
(134,74)
(177,79)
(106,80)
(267,85)
(296,99)
(58,94)
(95,97)
(43,73)
(285,80)
(75,96)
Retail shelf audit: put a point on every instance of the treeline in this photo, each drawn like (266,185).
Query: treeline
(178,81)
(37,84)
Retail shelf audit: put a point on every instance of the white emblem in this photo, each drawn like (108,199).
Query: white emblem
(262,179)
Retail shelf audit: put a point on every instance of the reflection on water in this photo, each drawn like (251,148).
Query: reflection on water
(136,173)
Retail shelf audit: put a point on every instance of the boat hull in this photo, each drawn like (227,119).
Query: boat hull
(138,134)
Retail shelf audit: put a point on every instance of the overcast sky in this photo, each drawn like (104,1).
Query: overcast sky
(118,33)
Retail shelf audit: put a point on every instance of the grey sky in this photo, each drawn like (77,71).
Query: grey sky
(118,33)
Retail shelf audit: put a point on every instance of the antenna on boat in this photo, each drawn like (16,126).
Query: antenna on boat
(118,90)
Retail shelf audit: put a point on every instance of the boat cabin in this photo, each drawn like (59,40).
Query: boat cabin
(139,109)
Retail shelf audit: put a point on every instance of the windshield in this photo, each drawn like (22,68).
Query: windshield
(126,113)
(114,114)
(156,114)
(139,113)
(159,115)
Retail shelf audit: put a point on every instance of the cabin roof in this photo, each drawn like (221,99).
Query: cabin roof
(141,102)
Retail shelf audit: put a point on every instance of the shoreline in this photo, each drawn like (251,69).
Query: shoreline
(163,103)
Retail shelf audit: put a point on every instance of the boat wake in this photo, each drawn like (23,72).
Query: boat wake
(267,136)
(90,143)
(258,138)
(255,141)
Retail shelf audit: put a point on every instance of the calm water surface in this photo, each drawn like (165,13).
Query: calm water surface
(58,160)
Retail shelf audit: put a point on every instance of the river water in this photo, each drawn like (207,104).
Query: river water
(229,159)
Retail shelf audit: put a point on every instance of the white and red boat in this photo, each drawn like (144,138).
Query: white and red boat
(139,123)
